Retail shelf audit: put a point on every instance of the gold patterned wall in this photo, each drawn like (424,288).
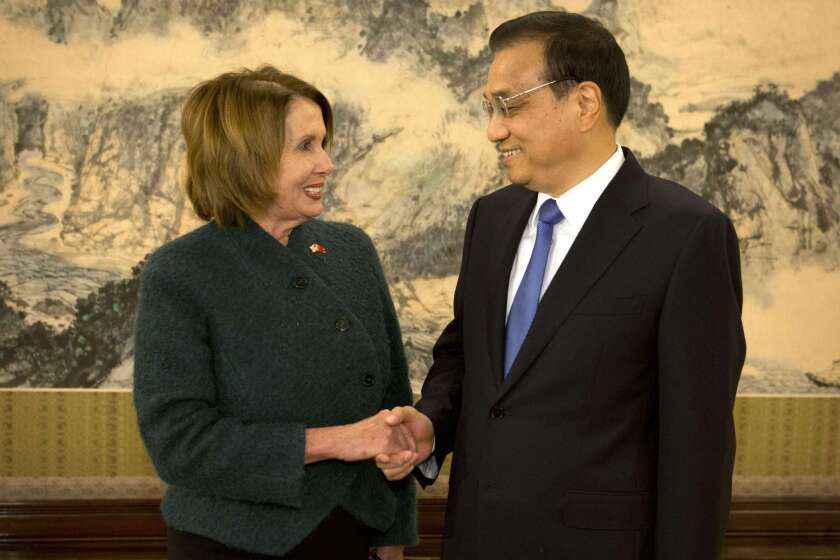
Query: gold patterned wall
(784,436)
(72,444)
(58,444)
(70,433)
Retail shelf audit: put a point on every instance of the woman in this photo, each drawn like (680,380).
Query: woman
(267,345)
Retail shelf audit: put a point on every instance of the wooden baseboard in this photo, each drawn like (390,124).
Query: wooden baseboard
(759,529)
(784,529)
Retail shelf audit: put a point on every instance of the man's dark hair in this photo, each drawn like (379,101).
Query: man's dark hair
(576,47)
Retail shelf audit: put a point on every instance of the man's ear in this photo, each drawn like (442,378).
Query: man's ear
(590,105)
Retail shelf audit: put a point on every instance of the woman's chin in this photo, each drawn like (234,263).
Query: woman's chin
(309,209)
(316,210)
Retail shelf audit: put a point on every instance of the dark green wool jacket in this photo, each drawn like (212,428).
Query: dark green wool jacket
(243,343)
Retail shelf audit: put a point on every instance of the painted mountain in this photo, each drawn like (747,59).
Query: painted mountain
(91,160)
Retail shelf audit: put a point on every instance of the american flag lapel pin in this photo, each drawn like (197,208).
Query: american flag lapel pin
(317,248)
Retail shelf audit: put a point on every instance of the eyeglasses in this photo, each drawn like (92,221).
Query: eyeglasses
(498,104)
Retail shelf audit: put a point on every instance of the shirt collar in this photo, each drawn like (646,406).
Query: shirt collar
(577,202)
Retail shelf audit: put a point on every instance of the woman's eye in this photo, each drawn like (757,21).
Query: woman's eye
(306,146)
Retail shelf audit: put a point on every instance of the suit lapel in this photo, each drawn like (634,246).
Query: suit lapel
(609,229)
(510,226)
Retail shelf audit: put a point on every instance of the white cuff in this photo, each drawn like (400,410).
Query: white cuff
(430,467)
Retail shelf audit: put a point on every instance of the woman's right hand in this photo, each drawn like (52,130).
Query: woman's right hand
(359,441)
(369,437)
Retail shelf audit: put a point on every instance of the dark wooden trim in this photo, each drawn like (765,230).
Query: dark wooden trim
(81,524)
(759,529)
(784,529)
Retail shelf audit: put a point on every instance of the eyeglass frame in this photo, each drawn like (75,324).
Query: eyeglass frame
(501,102)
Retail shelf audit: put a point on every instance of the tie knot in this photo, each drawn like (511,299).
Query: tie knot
(550,213)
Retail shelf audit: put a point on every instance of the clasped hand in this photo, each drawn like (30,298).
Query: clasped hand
(398,439)
(375,436)
(417,429)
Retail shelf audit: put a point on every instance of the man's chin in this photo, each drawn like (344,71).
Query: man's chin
(529,184)
(518,178)
(524,182)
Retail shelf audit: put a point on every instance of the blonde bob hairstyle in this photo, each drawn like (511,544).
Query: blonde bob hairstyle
(233,126)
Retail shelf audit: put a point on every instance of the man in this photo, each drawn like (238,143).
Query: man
(586,382)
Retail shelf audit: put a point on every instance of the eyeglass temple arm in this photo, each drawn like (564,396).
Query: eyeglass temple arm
(527,91)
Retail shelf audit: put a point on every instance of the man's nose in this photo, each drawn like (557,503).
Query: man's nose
(496,130)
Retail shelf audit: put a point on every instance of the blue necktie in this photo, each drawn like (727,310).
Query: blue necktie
(527,296)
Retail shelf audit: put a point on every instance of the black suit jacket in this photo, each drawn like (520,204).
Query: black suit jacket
(612,438)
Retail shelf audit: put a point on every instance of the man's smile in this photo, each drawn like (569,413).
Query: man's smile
(506,155)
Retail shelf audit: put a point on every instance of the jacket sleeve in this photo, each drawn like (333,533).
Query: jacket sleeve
(398,393)
(701,352)
(191,441)
(441,394)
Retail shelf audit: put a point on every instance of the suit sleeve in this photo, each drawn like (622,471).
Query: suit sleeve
(404,529)
(191,441)
(441,393)
(701,350)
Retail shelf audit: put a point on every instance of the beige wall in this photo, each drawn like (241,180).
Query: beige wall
(91,157)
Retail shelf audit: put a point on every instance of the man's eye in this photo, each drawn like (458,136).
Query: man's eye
(306,146)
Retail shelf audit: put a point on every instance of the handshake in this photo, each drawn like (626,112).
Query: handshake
(397,439)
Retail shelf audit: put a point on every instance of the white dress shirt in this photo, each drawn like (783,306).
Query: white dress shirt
(576,205)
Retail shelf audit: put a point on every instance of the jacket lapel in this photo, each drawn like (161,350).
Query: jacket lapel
(271,262)
(313,251)
(274,265)
(510,226)
(609,229)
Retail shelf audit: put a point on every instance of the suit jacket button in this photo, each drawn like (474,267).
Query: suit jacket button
(368,380)
(342,325)
(300,282)
(497,412)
